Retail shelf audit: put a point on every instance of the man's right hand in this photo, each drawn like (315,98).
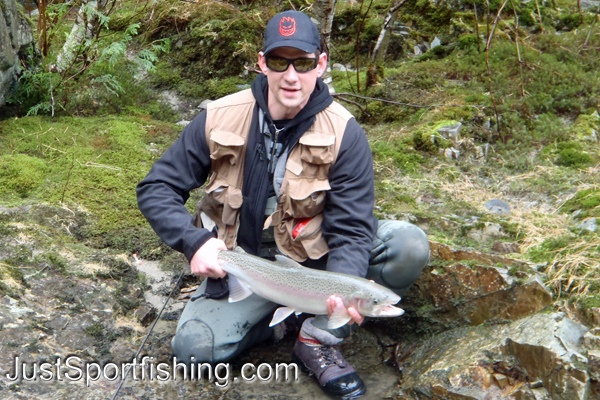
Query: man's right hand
(205,263)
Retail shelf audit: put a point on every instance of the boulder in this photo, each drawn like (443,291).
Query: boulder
(537,357)
(456,295)
(16,39)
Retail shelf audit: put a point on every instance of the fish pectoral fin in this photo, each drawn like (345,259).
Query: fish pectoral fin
(238,290)
(280,314)
(339,318)
(286,261)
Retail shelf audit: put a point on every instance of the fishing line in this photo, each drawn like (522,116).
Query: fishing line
(148,335)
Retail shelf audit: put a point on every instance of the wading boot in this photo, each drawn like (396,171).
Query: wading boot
(335,375)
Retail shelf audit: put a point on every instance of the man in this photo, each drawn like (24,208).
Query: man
(284,157)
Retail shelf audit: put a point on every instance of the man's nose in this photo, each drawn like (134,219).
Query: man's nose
(290,74)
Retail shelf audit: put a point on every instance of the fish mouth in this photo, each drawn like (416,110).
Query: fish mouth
(390,311)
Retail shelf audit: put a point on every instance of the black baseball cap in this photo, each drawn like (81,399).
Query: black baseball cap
(292,29)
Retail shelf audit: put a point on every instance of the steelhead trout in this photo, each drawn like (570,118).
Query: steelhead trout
(300,289)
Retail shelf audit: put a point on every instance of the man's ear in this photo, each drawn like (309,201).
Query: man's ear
(322,64)
(262,63)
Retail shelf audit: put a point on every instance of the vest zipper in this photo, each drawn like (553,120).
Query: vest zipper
(274,149)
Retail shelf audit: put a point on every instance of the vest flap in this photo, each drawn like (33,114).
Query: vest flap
(234,197)
(302,188)
(225,138)
(293,166)
(320,139)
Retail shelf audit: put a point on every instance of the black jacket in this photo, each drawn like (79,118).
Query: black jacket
(348,225)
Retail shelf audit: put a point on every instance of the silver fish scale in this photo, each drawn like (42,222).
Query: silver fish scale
(279,274)
(301,288)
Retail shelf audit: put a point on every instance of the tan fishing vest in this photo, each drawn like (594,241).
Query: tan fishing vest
(304,185)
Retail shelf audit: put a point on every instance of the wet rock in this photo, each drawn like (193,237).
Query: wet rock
(448,253)
(594,364)
(592,339)
(145,314)
(504,247)
(589,224)
(501,361)
(452,131)
(490,231)
(16,39)
(595,315)
(589,4)
(482,151)
(451,153)
(450,296)
(496,206)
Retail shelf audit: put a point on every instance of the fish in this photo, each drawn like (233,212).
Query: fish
(299,289)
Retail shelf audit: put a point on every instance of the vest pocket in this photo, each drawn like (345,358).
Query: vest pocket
(306,197)
(222,201)
(317,148)
(227,146)
(309,242)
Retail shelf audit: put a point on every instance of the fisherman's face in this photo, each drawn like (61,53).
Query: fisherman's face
(289,90)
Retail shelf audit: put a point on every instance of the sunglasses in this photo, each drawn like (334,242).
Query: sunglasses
(280,64)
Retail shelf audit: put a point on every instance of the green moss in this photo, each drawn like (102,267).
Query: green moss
(21,174)
(423,143)
(573,158)
(56,261)
(400,155)
(468,41)
(588,201)
(93,163)
(548,249)
(570,21)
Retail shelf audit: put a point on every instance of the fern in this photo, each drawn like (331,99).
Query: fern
(45,106)
(110,84)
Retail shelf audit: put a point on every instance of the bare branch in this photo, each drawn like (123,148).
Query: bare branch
(404,104)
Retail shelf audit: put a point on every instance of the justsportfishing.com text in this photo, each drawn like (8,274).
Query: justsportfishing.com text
(73,368)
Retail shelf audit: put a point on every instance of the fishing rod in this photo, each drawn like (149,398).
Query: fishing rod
(148,335)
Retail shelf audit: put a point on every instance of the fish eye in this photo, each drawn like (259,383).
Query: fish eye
(375,301)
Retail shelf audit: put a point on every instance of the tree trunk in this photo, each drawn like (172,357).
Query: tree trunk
(87,27)
(42,25)
(384,35)
(322,12)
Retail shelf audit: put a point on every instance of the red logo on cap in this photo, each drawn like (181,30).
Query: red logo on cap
(287,26)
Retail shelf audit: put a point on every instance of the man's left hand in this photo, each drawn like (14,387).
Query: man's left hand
(334,302)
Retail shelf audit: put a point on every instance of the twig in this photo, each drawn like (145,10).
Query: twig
(347,72)
(252,69)
(587,40)
(487,61)
(540,16)
(349,101)
(62,200)
(476,26)
(404,104)
(52,148)
(51,95)
(358,42)
(517,46)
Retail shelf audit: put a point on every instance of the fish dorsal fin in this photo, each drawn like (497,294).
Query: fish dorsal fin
(339,318)
(238,290)
(286,261)
(280,314)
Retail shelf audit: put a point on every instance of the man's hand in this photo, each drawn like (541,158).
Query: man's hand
(334,302)
(204,262)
